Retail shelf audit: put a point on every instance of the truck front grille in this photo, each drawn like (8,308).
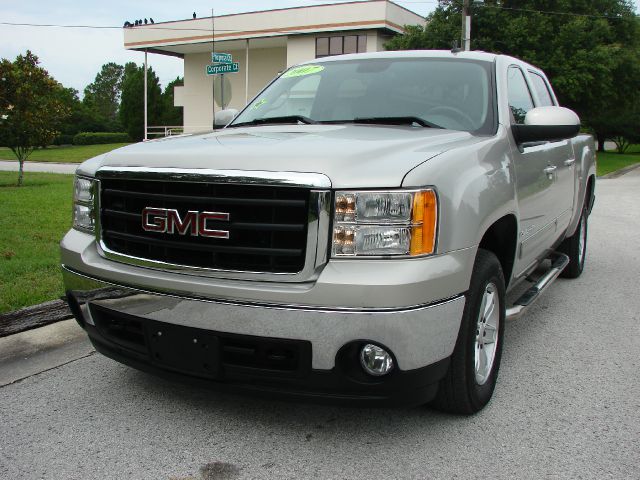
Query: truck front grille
(267,225)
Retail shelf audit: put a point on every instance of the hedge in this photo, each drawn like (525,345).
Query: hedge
(63,139)
(95,138)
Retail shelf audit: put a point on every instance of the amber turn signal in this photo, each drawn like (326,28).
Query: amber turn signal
(424,220)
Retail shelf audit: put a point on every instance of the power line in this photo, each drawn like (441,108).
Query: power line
(191,29)
(547,12)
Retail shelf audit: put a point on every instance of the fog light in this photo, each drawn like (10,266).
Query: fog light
(375,360)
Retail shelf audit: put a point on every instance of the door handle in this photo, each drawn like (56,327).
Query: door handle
(569,161)
(550,169)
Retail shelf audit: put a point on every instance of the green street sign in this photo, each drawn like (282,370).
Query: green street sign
(223,68)
(221,58)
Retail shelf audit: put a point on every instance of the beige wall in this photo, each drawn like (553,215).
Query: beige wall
(310,19)
(264,64)
(300,48)
(197,93)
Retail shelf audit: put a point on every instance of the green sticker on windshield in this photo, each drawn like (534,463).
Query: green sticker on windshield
(303,70)
(259,103)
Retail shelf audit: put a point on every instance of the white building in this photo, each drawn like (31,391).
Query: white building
(263,43)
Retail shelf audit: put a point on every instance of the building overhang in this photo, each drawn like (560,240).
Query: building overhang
(267,28)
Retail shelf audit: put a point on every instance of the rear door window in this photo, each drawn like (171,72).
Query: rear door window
(544,96)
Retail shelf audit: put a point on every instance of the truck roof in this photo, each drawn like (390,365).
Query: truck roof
(469,55)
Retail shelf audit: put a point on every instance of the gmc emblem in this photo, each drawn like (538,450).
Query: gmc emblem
(194,223)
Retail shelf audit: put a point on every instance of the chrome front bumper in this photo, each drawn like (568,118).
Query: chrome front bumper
(417,336)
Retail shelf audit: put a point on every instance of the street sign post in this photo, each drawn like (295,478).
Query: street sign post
(223,68)
(222,63)
(221,58)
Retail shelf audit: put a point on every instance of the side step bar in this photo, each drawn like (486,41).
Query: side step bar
(558,264)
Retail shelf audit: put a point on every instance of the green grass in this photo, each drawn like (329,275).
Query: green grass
(33,220)
(63,154)
(611,161)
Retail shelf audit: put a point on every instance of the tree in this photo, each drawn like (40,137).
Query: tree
(103,95)
(591,51)
(30,107)
(171,115)
(81,118)
(131,112)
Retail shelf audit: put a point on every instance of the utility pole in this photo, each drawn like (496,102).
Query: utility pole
(213,78)
(466,26)
(146,97)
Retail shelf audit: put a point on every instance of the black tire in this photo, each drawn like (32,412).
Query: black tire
(577,252)
(460,391)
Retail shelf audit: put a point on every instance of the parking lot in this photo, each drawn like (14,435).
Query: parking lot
(567,403)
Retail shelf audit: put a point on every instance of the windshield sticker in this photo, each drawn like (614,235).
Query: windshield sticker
(259,103)
(302,71)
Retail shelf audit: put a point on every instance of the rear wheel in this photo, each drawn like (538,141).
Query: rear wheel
(575,247)
(469,383)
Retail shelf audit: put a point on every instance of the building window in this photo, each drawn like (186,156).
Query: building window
(328,46)
(322,47)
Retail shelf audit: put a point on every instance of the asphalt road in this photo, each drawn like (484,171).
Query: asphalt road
(567,403)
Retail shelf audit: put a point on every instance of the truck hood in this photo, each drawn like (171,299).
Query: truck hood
(352,156)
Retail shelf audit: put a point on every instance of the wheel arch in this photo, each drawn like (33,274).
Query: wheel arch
(501,238)
(589,197)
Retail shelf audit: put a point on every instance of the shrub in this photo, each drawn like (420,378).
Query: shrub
(95,138)
(63,140)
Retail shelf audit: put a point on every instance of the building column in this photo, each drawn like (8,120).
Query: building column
(246,74)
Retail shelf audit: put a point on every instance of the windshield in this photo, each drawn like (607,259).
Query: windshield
(447,93)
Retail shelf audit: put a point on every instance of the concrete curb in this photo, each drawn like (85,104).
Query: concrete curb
(33,317)
(619,173)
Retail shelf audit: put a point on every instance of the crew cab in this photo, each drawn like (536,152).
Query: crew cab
(351,235)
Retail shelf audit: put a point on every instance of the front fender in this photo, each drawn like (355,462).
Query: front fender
(476,187)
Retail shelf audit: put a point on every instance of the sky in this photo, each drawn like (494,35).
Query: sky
(73,56)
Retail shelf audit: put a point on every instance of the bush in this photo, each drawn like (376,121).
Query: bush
(63,140)
(95,138)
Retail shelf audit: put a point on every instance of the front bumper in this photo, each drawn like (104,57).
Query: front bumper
(326,341)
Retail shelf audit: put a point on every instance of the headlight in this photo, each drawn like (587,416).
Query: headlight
(83,204)
(385,223)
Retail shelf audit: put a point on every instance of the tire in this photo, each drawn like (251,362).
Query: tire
(467,386)
(575,247)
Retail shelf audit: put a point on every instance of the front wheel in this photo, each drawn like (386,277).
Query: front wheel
(575,247)
(471,378)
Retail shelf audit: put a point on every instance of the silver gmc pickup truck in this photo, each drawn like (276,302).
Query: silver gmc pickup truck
(351,235)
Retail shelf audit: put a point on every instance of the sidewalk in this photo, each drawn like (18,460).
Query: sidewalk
(46,167)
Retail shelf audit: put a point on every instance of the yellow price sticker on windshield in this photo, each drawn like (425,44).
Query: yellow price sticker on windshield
(259,103)
(303,70)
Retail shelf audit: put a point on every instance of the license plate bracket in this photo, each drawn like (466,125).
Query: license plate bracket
(185,349)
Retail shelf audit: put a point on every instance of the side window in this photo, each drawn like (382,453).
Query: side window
(520,100)
(541,89)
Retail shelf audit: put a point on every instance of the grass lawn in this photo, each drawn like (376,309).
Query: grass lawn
(63,154)
(611,161)
(33,220)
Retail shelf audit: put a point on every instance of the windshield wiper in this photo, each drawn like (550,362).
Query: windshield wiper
(276,120)
(396,121)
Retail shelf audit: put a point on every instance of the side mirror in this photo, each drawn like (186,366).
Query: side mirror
(547,124)
(224,117)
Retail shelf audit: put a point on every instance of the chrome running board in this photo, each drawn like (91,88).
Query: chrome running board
(558,263)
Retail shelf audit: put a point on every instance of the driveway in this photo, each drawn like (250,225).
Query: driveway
(567,403)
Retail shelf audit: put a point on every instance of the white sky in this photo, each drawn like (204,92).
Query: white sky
(74,56)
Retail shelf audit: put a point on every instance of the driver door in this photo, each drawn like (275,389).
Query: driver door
(536,180)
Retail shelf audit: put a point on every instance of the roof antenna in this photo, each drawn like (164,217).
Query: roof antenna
(454,47)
